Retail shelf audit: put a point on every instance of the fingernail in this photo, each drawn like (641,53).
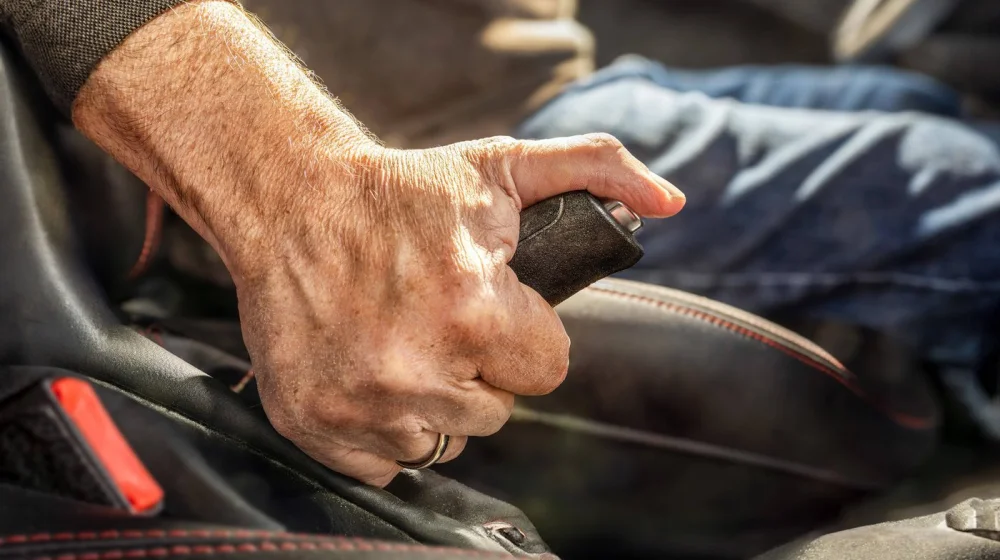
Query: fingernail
(669,187)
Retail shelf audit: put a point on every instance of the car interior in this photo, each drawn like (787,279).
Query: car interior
(686,428)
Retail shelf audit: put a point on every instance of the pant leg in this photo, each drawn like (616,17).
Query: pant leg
(884,220)
(840,88)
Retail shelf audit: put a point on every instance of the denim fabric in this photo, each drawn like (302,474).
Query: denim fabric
(839,88)
(886,220)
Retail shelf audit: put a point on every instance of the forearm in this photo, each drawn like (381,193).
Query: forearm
(204,106)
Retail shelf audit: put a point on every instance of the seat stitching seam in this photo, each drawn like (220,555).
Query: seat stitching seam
(262,547)
(111,535)
(903,419)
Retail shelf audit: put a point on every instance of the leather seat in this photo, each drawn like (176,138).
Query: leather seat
(684,425)
(688,427)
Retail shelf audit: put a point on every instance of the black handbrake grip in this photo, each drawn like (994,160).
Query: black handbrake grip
(570,241)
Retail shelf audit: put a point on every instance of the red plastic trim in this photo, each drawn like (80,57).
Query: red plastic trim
(84,409)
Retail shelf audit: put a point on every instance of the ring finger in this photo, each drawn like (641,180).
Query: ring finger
(453,448)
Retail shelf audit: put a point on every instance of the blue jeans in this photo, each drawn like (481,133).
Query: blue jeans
(872,206)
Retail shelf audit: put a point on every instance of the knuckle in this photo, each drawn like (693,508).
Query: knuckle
(603,142)
(396,376)
(475,318)
(494,419)
(493,158)
(490,149)
(325,413)
(411,444)
(409,429)
(393,379)
(498,143)
(502,140)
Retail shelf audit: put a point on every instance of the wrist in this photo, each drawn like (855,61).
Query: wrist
(204,106)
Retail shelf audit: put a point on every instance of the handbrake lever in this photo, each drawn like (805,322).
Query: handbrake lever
(570,241)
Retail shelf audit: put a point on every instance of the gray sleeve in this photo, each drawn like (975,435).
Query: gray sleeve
(63,40)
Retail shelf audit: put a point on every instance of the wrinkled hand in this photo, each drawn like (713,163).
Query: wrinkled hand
(377,321)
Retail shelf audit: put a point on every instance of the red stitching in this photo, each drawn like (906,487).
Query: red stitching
(154,534)
(903,419)
(344,545)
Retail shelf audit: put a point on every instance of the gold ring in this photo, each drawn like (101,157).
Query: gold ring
(442,446)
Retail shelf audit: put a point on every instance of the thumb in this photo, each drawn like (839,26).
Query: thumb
(597,163)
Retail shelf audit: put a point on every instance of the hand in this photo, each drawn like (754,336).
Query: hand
(378,319)
(375,296)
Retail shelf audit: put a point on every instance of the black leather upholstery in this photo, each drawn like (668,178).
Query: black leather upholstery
(41,526)
(689,426)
